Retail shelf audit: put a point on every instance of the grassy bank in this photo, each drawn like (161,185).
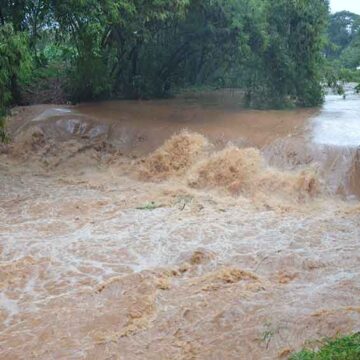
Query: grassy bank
(345,348)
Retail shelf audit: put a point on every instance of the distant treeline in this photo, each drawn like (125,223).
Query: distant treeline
(77,50)
(343,49)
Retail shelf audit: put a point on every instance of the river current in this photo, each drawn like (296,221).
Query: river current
(178,229)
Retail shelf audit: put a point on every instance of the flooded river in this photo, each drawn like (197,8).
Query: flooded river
(124,236)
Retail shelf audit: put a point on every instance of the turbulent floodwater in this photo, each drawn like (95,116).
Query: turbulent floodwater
(123,236)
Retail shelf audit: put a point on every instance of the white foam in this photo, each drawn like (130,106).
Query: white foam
(338,123)
(51,113)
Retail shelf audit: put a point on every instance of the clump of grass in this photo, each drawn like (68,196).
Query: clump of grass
(345,348)
(268,334)
(150,206)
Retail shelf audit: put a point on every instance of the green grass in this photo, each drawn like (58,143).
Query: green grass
(346,348)
(149,206)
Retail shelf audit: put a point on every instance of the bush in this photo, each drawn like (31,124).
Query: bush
(15,66)
(346,348)
(88,79)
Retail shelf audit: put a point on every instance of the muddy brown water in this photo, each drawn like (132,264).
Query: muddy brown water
(113,246)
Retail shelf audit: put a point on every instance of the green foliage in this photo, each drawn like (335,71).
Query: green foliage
(350,57)
(342,29)
(346,348)
(150,206)
(113,45)
(287,68)
(150,48)
(14,63)
(89,78)
(143,49)
(343,49)
(15,66)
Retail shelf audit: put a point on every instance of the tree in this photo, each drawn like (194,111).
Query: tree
(343,50)
(15,62)
(290,62)
(150,48)
(343,28)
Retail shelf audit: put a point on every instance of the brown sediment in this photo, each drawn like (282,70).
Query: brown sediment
(284,353)
(237,170)
(33,144)
(339,166)
(138,128)
(201,256)
(147,124)
(354,173)
(327,312)
(298,185)
(230,168)
(243,171)
(230,276)
(175,157)
(14,274)
(285,278)
(249,261)
(142,126)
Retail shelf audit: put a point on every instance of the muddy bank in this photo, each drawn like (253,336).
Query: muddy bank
(197,250)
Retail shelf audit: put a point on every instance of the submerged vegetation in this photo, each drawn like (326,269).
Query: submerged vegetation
(346,348)
(273,50)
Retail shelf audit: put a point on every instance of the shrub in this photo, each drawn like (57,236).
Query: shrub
(15,66)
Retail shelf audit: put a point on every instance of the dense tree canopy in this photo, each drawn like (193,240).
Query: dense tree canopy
(343,29)
(272,49)
(15,65)
(343,48)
